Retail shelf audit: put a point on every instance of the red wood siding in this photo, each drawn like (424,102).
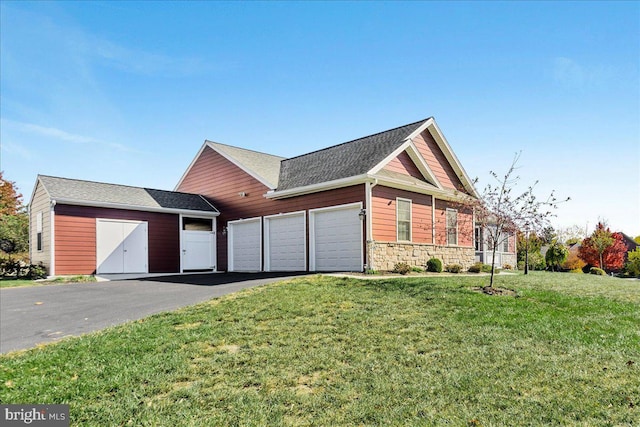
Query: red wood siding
(465,224)
(437,161)
(75,238)
(404,165)
(383,204)
(219,179)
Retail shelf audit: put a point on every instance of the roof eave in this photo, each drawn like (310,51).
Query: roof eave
(315,188)
(76,202)
(428,189)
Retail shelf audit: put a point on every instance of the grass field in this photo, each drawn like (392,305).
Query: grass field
(20,283)
(332,351)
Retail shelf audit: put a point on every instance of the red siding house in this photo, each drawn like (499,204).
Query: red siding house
(370,203)
(365,204)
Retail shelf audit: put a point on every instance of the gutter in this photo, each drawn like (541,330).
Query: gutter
(159,209)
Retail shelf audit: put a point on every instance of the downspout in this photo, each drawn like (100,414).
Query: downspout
(369,223)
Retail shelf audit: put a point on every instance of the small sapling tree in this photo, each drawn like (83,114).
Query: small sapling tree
(502,213)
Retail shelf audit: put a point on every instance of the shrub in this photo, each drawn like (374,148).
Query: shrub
(18,267)
(632,267)
(485,268)
(401,268)
(573,262)
(597,271)
(475,268)
(507,267)
(417,269)
(576,271)
(434,265)
(453,268)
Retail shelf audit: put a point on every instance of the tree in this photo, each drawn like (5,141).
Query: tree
(503,213)
(14,221)
(556,255)
(10,199)
(637,239)
(632,267)
(604,249)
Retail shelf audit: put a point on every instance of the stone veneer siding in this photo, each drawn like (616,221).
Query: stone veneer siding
(385,255)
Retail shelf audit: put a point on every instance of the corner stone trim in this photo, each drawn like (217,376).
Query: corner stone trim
(384,256)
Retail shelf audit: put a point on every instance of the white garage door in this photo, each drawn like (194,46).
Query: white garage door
(285,242)
(121,246)
(336,239)
(245,244)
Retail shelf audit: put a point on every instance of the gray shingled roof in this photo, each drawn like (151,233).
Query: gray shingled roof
(87,192)
(265,166)
(349,159)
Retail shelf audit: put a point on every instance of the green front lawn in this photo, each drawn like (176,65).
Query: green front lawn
(334,351)
(19,283)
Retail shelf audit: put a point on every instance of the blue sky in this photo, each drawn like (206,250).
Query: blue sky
(126,92)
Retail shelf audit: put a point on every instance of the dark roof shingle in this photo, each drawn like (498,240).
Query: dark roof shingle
(345,160)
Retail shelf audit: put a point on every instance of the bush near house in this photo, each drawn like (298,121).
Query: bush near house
(434,265)
(453,268)
(401,268)
(597,271)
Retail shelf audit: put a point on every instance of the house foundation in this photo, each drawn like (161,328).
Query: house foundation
(384,256)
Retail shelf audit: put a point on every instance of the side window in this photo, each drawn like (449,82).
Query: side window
(452,227)
(39,231)
(403,216)
(478,239)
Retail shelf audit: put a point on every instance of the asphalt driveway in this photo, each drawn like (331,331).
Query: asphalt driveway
(42,314)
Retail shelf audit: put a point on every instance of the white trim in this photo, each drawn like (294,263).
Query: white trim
(312,239)
(52,244)
(402,199)
(420,188)
(417,158)
(230,266)
(433,219)
(315,188)
(108,205)
(231,159)
(193,162)
(265,232)
(182,249)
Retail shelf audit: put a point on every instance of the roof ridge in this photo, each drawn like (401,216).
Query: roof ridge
(245,149)
(358,139)
(112,184)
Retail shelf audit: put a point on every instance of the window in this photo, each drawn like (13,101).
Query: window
(478,238)
(403,215)
(39,231)
(505,243)
(452,227)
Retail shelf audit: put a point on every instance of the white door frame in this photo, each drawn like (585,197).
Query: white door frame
(214,227)
(230,241)
(312,236)
(267,249)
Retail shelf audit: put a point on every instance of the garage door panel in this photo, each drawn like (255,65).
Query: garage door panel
(337,235)
(285,243)
(245,244)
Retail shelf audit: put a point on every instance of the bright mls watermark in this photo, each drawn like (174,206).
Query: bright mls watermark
(35,415)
